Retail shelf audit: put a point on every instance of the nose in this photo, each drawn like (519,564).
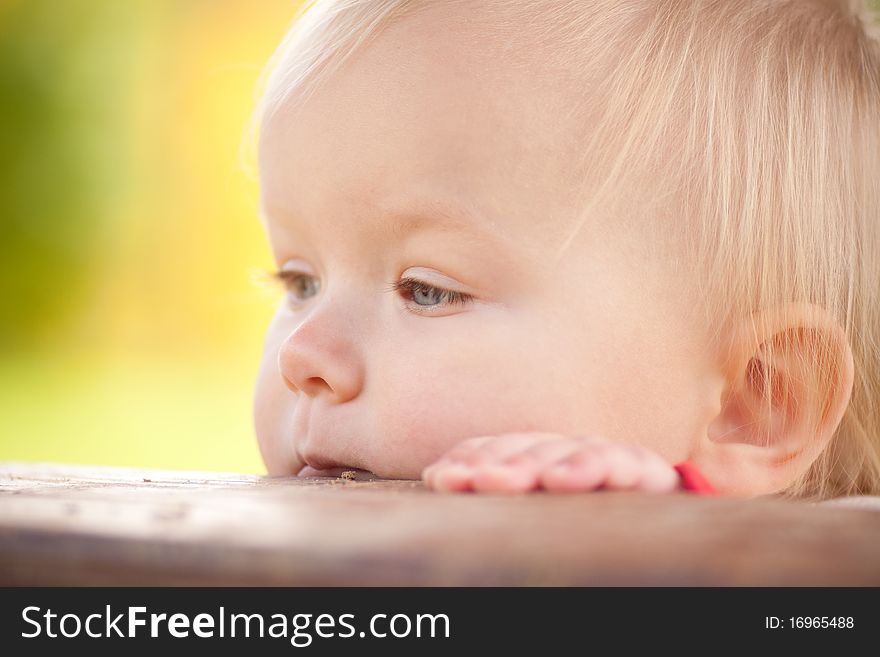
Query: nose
(320,357)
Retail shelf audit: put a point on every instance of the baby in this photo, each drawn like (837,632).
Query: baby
(571,245)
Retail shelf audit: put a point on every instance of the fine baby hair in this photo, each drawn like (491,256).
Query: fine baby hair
(746,134)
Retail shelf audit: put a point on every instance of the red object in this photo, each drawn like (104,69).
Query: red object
(693,480)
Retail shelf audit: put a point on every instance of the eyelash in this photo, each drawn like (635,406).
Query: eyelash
(412,285)
(409,285)
(287,277)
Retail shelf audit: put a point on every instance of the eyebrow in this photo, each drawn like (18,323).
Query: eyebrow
(413,215)
(448,216)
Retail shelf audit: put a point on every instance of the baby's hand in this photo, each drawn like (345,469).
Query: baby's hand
(519,462)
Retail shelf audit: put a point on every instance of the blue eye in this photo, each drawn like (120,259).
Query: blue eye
(422,296)
(428,296)
(301,286)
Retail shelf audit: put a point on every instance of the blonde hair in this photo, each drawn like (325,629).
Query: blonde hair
(756,121)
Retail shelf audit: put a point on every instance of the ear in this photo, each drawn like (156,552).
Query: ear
(787,380)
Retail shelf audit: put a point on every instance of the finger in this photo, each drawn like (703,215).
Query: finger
(658,478)
(500,447)
(453,470)
(657,475)
(463,448)
(583,470)
(449,477)
(520,471)
(625,466)
(456,469)
(428,475)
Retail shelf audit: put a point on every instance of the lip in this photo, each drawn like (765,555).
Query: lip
(336,473)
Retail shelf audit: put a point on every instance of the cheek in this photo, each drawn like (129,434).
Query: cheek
(273,407)
(429,399)
(424,413)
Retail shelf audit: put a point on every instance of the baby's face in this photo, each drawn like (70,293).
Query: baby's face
(434,164)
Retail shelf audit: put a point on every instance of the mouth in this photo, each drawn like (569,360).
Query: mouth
(355,474)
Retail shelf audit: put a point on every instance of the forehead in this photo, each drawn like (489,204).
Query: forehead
(434,105)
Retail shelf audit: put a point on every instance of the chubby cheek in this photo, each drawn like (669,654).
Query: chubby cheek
(270,418)
(273,407)
(432,399)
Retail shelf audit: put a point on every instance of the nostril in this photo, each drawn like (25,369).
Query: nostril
(311,385)
(314,385)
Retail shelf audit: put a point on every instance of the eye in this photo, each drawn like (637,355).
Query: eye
(425,297)
(299,285)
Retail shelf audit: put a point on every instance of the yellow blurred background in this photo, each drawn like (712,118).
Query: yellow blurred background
(130,325)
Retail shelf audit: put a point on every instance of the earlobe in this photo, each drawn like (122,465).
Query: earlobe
(788,377)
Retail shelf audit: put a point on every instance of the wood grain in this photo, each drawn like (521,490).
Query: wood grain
(64,524)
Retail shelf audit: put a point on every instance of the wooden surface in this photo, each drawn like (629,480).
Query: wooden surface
(62,524)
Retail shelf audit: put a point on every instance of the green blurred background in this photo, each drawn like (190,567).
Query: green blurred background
(130,324)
